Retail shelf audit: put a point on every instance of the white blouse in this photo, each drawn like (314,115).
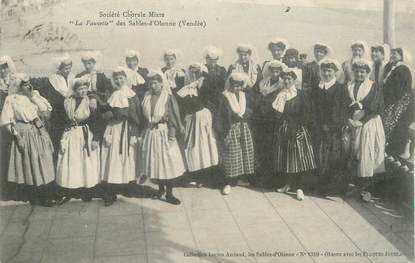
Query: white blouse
(19,107)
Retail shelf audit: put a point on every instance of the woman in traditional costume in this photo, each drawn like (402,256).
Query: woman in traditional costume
(291,60)
(56,89)
(271,81)
(399,102)
(200,147)
(174,74)
(9,84)
(9,81)
(233,131)
(380,57)
(78,163)
(162,159)
(311,70)
(277,47)
(31,163)
(302,60)
(99,88)
(263,121)
(364,129)
(215,80)
(360,50)
(294,154)
(136,75)
(246,64)
(329,119)
(119,151)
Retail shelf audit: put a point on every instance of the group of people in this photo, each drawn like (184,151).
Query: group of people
(67,134)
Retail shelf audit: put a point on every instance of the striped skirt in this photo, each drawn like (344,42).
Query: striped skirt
(294,151)
(238,151)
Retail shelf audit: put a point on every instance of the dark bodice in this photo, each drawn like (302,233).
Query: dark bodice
(397,84)
(133,114)
(3,96)
(171,117)
(373,104)
(297,111)
(179,80)
(213,85)
(311,75)
(226,117)
(56,100)
(103,88)
(326,104)
(141,89)
(191,104)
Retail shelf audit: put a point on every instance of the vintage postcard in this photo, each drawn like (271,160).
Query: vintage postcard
(207,131)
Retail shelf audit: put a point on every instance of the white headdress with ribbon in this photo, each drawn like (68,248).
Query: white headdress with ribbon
(366,49)
(265,86)
(131,53)
(212,52)
(253,66)
(283,41)
(64,58)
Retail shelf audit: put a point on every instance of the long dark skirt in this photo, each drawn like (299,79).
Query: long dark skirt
(5,143)
(294,151)
(328,151)
(396,119)
(264,141)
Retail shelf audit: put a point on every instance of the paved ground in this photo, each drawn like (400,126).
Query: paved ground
(248,221)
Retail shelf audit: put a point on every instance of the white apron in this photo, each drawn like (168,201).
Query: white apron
(368,140)
(201,149)
(118,157)
(75,168)
(161,158)
(369,145)
(78,165)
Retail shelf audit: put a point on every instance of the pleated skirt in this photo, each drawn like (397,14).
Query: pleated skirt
(33,165)
(294,151)
(78,165)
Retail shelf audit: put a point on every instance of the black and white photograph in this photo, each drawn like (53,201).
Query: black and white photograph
(216,131)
